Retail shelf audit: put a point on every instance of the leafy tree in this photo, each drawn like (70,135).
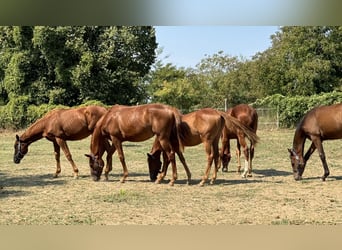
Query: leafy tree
(172,85)
(302,61)
(69,65)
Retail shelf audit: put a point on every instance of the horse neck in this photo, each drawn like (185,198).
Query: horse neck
(156,149)
(97,143)
(34,132)
(298,141)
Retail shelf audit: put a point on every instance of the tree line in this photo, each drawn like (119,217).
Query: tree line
(43,67)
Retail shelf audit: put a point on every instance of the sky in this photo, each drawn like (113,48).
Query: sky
(185,46)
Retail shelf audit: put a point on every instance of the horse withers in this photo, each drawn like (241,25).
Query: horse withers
(135,124)
(319,124)
(59,126)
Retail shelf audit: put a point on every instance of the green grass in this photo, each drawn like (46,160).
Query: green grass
(30,196)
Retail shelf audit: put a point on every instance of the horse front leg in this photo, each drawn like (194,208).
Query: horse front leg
(57,151)
(165,166)
(118,145)
(109,160)
(318,144)
(62,143)
(251,156)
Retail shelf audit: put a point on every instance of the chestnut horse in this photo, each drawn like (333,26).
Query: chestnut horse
(135,124)
(58,126)
(248,117)
(202,126)
(319,124)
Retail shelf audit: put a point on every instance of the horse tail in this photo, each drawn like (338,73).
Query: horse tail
(177,131)
(232,121)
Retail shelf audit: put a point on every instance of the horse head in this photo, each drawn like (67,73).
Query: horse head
(154,165)
(20,149)
(297,164)
(96,165)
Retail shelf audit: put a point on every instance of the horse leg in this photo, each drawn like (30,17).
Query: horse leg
(251,156)
(210,158)
(216,158)
(309,153)
(244,145)
(118,145)
(318,144)
(165,166)
(57,151)
(62,143)
(225,152)
(166,146)
(109,164)
(186,168)
(238,156)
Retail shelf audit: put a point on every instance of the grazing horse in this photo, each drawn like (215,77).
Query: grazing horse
(319,124)
(248,117)
(202,126)
(135,124)
(58,126)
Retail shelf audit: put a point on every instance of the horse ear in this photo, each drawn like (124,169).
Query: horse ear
(290,151)
(88,155)
(17,137)
(150,156)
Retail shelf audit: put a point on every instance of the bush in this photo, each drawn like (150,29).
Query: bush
(292,109)
(18,114)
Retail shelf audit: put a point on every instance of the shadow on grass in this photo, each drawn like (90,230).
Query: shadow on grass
(271,172)
(8,183)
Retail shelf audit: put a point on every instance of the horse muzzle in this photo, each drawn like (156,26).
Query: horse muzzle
(16,159)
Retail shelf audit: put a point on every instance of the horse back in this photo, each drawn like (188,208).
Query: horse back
(138,123)
(246,114)
(69,124)
(323,121)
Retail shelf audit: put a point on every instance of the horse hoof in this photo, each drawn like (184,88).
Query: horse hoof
(224,169)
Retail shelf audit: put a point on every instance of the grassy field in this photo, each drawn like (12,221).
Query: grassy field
(30,196)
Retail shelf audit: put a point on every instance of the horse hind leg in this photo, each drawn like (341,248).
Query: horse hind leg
(210,158)
(216,158)
(247,166)
(238,156)
(186,168)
